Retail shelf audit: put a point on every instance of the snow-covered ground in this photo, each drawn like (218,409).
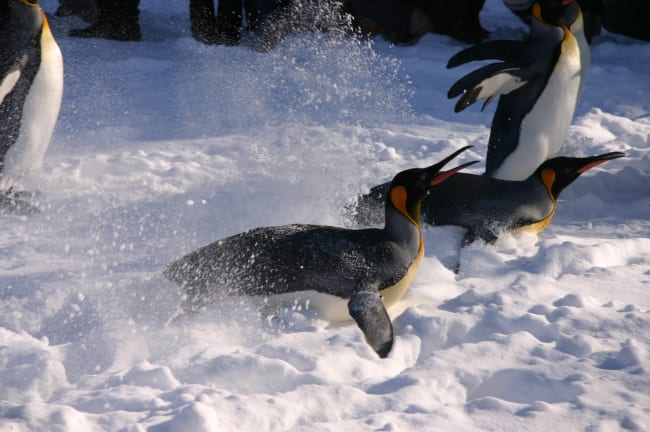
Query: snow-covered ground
(165,145)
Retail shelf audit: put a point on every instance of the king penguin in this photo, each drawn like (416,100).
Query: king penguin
(487,207)
(327,267)
(31,88)
(538,81)
(573,18)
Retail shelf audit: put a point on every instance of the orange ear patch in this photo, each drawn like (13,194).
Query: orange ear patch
(537,11)
(548,178)
(398,197)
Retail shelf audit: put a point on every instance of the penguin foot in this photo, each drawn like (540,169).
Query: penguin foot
(86,9)
(13,203)
(220,33)
(108,29)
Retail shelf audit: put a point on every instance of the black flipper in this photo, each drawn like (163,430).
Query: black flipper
(486,83)
(367,309)
(504,50)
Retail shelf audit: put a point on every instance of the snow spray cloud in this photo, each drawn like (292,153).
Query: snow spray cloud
(318,72)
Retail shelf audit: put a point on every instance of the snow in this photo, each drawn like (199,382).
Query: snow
(165,145)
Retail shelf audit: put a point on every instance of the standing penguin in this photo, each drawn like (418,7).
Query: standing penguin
(325,266)
(538,81)
(573,18)
(486,206)
(31,87)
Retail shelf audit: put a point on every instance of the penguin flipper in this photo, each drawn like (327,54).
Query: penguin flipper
(504,50)
(486,83)
(367,309)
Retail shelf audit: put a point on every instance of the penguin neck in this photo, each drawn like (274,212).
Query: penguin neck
(403,231)
(548,179)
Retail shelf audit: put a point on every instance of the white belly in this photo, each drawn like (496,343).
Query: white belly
(578,30)
(326,306)
(40,112)
(333,308)
(544,129)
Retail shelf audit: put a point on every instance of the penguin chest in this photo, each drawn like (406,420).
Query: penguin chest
(40,111)
(538,226)
(542,217)
(326,306)
(545,127)
(395,292)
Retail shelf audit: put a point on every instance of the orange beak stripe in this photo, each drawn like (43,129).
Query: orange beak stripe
(444,175)
(590,166)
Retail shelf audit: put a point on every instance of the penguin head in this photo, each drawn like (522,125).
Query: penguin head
(558,173)
(550,11)
(24,16)
(571,14)
(408,188)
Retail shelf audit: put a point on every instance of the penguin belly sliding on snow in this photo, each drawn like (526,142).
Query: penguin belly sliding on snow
(487,207)
(31,88)
(538,82)
(369,269)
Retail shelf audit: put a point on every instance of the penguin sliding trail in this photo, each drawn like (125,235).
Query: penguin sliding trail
(370,269)
(31,88)
(486,206)
(538,82)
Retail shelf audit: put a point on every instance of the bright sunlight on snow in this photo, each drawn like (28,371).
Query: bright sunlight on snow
(166,145)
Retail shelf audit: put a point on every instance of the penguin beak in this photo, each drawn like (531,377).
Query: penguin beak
(439,176)
(597,160)
(444,175)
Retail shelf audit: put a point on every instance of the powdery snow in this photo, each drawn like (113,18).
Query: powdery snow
(166,145)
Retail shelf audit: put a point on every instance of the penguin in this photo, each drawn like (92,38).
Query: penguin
(538,81)
(573,17)
(323,266)
(486,206)
(31,88)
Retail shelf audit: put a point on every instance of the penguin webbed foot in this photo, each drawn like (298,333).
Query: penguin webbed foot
(12,202)
(488,236)
(368,311)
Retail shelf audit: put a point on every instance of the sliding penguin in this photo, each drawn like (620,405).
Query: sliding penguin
(538,81)
(31,87)
(486,206)
(370,269)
